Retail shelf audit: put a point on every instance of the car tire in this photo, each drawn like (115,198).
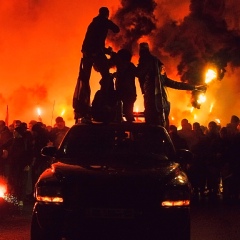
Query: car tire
(38,233)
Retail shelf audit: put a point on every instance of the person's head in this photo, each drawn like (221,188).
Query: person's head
(144,48)
(124,55)
(185,123)
(196,126)
(60,123)
(31,123)
(224,133)
(19,132)
(104,12)
(212,127)
(16,123)
(172,129)
(234,121)
(37,128)
(24,126)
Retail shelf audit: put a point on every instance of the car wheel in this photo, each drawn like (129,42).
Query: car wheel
(38,233)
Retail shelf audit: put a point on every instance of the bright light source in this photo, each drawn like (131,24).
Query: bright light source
(201,98)
(210,75)
(3,190)
(211,107)
(39,111)
(63,111)
(177,203)
(50,199)
(218,120)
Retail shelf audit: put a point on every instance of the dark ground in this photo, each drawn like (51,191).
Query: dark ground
(209,221)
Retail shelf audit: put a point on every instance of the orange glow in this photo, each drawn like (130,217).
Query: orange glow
(41,51)
(39,111)
(179,203)
(218,120)
(3,190)
(136,109)
(201,98)
(211,108)
(50,199)
(63,112)
(3,187)
(210,75)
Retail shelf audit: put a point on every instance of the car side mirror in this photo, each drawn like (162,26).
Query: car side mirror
(49,151)
(184,157)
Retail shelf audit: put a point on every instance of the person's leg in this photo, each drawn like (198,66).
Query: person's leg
(83,91)
(102,64)
(128,110)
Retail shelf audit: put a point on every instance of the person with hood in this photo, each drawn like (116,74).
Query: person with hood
(93,50)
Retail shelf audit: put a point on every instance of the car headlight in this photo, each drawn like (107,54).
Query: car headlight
(176,198)
(49,194)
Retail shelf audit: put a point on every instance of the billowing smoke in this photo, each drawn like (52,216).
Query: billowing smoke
(136,19)
(201,38)
(205,37)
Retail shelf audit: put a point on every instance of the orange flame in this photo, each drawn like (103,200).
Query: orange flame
(3,187)
(210,75)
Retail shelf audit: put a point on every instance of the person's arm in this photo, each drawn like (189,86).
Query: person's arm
(182,86)
(113,27)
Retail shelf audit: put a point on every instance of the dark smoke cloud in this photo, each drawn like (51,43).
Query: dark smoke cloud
(136,19)
(201,34)
(201,38)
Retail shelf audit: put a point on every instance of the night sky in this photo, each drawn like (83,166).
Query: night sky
(40,44)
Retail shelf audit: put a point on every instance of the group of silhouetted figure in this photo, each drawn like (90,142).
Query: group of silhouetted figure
(21,162)
(214,170)
(117,92)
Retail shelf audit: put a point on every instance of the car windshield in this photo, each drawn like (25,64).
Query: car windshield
(90,142)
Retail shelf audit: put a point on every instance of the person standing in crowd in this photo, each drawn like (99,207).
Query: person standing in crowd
(58,132)
(233,125)
(40,140)
(187,132)
(125,83)
(20,158)
(153,81)
(94,50)
(30,124)
(178,141)
(208,171)
(5,140)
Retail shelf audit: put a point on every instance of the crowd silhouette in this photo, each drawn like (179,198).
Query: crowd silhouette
(21,162)
(214,169)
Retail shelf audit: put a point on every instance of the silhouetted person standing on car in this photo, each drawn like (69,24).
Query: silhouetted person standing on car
(153,80)
(94,51)
(125,83)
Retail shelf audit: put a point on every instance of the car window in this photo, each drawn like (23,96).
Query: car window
(96,142)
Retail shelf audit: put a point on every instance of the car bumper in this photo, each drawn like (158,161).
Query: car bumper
(113,224)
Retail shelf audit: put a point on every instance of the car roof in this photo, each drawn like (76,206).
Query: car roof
(140,126)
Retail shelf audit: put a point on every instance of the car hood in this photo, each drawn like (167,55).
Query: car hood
(113,185)
(119,165)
